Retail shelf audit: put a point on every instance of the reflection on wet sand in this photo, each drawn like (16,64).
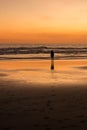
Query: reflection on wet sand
(2,74)
(82,67)
(65,72)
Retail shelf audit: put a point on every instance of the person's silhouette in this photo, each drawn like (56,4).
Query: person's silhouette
(52,54)
(52,59)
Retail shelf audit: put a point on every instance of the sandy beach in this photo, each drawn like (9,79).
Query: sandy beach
(32,97)
(43,64)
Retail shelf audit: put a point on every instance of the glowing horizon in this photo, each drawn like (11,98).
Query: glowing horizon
(48,21)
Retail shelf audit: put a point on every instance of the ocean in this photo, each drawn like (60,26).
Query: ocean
(42,51)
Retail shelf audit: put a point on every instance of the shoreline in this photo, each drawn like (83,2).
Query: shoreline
(43,58)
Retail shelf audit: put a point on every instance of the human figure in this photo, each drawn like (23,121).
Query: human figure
(52,59)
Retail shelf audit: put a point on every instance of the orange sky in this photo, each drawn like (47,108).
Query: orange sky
(43,21)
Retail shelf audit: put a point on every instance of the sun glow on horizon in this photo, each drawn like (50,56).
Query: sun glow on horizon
(48,21)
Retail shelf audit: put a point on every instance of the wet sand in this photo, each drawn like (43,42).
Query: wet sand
(49,105)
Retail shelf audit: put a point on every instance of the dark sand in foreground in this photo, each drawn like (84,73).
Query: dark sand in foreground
(42,107)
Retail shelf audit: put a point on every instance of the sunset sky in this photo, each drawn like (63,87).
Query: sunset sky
(43,21)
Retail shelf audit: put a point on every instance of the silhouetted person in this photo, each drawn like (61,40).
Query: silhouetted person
(52,59)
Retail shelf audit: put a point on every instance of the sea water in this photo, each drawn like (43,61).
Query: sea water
(42,51)
(31,63)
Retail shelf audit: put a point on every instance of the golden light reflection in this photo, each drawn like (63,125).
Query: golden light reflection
(66,71)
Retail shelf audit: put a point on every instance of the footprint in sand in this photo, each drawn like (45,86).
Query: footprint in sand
(48,103)
(6,129)
(53,95)
(48,129)
(50,108)
(36,125)
(46,117)
(80,116)
(73,126)
(83,121)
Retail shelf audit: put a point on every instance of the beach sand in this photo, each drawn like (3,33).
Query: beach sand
(32,97)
